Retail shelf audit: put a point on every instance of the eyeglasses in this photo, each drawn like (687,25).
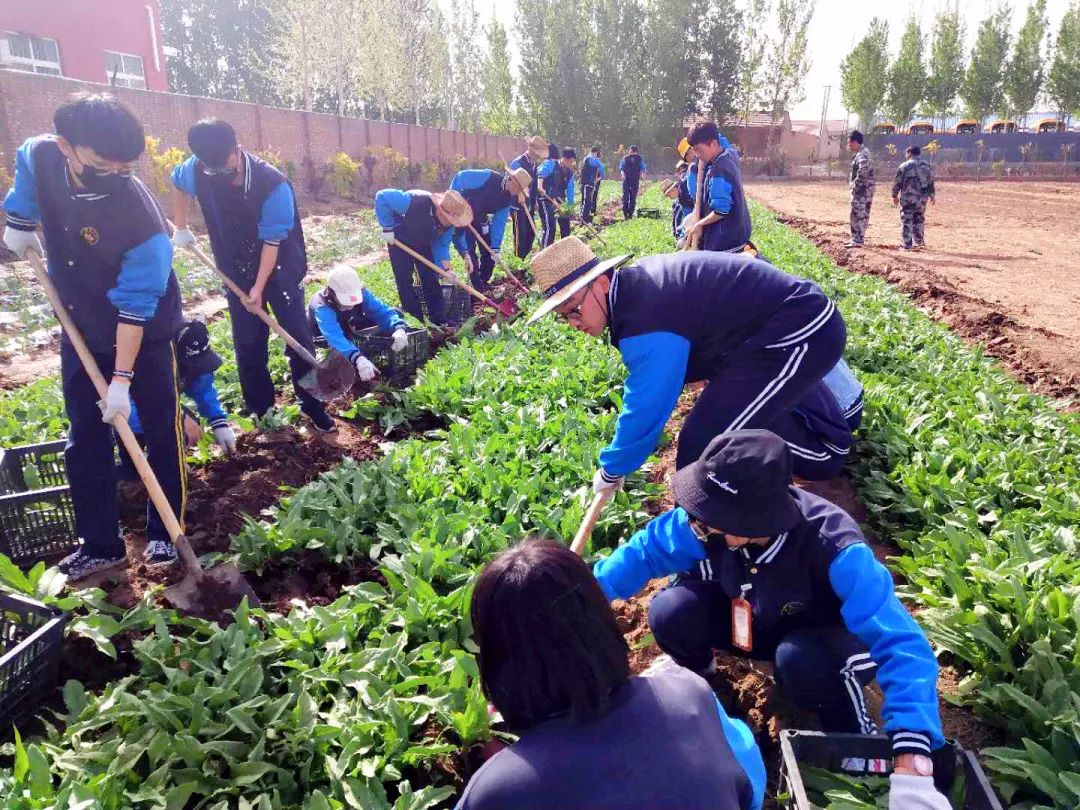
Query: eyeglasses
(575,313)
(209,172)
(104,168)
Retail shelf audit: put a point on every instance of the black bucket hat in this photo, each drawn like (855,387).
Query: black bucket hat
(740,485)
(194,357)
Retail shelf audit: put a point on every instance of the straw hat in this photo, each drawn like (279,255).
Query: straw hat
(520,178)
(670,188)
(537,147)
(684,149)
(454,208)
(564,268)
(346,284)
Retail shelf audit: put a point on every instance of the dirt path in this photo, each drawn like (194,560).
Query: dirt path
(1002,265)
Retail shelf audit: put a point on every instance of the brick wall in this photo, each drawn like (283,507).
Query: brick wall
(27,102)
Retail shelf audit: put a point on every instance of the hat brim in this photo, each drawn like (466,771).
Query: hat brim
(536,155)
(204,363)
(463,221)
(765,522)
(568,292)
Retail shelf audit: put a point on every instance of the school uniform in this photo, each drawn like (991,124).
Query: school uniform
(723,194)
(410,217)
(632,166)
(592,172)
(559,186)
(522,218)
(483,190)
(334,326)
(240,219)
(111,261)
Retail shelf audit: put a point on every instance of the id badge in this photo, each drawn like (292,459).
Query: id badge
(742,636)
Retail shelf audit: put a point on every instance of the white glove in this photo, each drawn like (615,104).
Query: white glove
(602,482)
(18,242)
(225,436)
(910,792)
(451,276)
(401,340)
(365,370)
(495,256)
(117,401)
(388,237)
(182,238)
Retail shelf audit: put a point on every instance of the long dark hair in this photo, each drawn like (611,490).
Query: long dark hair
(549,643)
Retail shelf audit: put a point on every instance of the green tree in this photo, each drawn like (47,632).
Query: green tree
(497,83)
(1063,80)
(751,73)
(864,73)
(673,66)
(720,48)
(787,59)
(1024,73)
(536,34)
(907,76)
(983,89)
(946,62)
(467,60)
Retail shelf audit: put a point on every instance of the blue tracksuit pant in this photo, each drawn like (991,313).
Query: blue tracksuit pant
(89,455)
(819,669)
(764,379)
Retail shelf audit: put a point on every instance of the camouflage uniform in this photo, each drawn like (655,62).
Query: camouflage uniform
(862,193)
(913,186)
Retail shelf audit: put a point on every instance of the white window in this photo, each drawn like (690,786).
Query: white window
(124,70)
(30,53)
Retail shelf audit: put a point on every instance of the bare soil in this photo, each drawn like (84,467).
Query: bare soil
(1002,264)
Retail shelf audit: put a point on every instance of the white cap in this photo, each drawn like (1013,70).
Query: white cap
(346,284)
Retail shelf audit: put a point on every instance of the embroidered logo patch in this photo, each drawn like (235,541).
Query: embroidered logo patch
(724,485)
(89,235)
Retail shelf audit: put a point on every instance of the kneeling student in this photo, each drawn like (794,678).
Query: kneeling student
(345,306)
(555,664)
(771,572)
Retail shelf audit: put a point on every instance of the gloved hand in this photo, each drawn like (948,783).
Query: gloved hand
(400,341)
(910,792)
(365,370)
(18,242)
(182,238)
(451,276)
(495,256)
(602,482)
(225,436)
(388,237)
(117,401)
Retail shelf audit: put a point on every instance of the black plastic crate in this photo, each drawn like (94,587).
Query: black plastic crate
(398,368)
(457,304)
(37,519)
(648,213)
(32,635)
(832,752)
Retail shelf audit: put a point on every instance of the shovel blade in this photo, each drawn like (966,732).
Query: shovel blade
(506,308)
(211,594)
(332,378)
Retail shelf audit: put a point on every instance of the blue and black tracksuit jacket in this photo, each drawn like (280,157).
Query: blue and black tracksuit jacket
(410,215)
(723,194)
(632,167)
(592,171)
(483,190)
(558,181)
(334,325)
(820,573)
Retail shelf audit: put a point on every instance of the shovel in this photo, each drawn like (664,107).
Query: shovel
(502,266)
(505,308)
(592,231)
(692,243)
(201,592)
(325,381)
(599,501)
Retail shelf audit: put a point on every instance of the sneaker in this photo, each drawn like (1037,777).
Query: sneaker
(853,244)
(80,564)
(159,553)
(920,246)
(906,247)
(322,422)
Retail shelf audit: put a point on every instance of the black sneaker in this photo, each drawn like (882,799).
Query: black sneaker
(159,553)
(80,564)
(322,422)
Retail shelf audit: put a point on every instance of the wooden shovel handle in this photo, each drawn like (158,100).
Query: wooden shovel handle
(599,501)
(692,243)
(491,251)
(448,276)
(131,444)
(595,234)
(264,316)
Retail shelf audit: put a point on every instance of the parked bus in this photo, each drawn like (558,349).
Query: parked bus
(967,127)
(1051,125)
(1001,126)
(885,128)
(921,128)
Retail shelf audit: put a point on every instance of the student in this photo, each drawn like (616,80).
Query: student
(592,737)
(345,306)
(556,179)
(111,261)
(773,573)
(763,340)
(255,233)
(490,195)
(592,172)
(522,216)
(631,167)
(725,221)
(424,222)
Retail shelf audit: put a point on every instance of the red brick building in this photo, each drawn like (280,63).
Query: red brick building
(115,42)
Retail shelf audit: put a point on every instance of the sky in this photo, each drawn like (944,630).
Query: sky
(836,27)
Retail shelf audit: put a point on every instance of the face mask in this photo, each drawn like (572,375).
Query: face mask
(99,182)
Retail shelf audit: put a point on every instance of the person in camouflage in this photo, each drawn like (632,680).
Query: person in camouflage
(914,185)
(862,188)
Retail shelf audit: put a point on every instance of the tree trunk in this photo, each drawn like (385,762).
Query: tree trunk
(305,68)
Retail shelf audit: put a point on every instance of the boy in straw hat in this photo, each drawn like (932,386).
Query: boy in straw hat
(490,195)
(522,216)
(556,179)
(764,337)
(424,222)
